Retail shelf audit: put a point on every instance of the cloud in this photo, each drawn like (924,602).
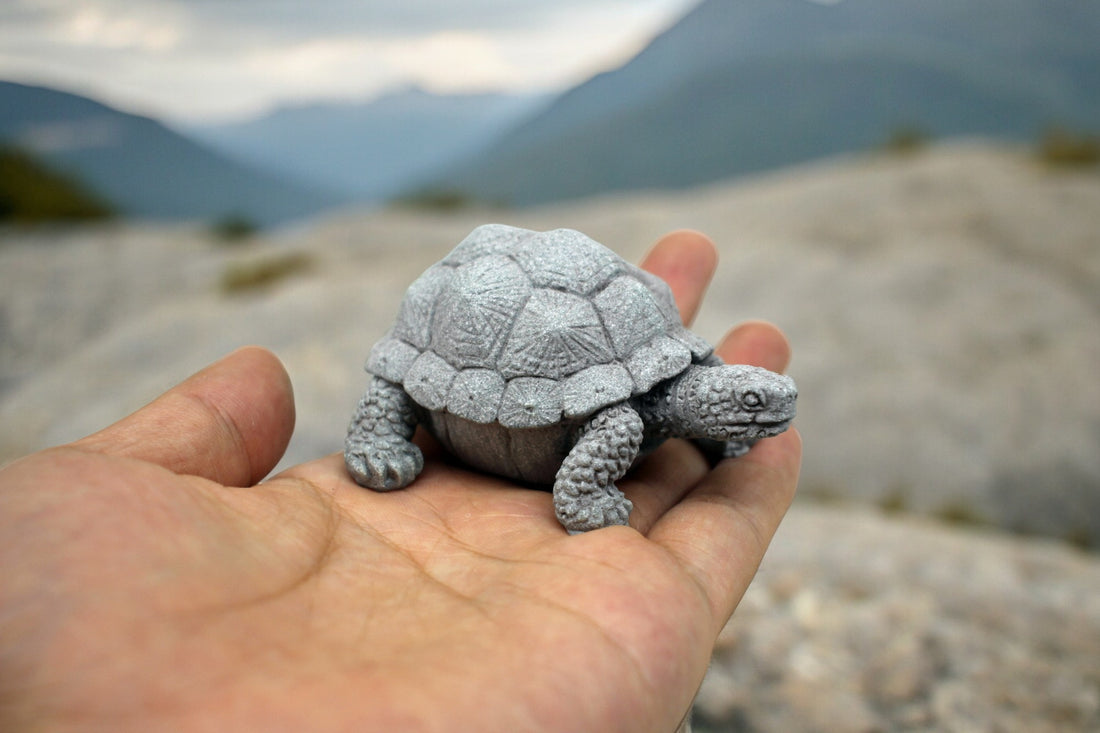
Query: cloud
(444,61)
(191,59)
(94,26)
(415,17)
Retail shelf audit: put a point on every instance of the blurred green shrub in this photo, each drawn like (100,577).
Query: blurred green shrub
(442,201)
(233,229)
(30,192)
(435,200)
(895,501)
(906,139)
(1082,539)
(261,273)
(1063,148)
(961,513)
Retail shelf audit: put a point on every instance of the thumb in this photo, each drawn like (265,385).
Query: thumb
(229,423)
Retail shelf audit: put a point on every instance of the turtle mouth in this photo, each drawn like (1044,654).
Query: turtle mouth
(771,428)
(757,428)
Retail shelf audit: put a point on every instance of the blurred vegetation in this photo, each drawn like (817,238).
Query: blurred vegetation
(907,139)
(31,193)
(1082,539)
(233,229)
(262,273)
(824,494)
(895,501)
(961,513)
(1063,148)
(442,201)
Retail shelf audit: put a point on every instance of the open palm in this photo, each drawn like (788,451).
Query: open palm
(151,583)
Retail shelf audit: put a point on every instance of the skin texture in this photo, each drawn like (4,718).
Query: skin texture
(149,583)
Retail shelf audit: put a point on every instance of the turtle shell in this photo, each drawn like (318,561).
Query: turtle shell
(526,329)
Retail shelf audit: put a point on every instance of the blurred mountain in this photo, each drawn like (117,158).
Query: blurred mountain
(374,149)
(139,166)
(744,85)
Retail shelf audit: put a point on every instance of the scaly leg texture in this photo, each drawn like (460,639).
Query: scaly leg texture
(585,495)
(378,450)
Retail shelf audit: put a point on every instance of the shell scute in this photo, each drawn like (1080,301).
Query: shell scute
(555,335)
(428,381)
(662,295)
(564,259)
(530,402)
(475,395)
(391,358)
(630,314)
(414,319)
(658,360)
(476,312)
(594,388)
(487,240)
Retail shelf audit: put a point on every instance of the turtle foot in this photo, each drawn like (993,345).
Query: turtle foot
(383,465)
(585,512)
(378,450)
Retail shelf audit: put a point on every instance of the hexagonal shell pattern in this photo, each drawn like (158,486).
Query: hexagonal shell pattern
(524,328)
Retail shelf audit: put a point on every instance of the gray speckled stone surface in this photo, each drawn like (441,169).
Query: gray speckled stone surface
(547,358)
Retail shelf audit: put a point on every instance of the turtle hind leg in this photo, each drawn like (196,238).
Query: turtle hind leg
(585,495)
(378,450)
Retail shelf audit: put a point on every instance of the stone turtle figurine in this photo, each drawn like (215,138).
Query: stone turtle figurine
(546,358)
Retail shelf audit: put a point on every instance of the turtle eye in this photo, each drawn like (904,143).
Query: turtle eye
(752,400)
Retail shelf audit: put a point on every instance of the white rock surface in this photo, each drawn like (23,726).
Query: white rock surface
(856,624)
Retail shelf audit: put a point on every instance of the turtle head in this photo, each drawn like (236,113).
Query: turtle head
(734,402)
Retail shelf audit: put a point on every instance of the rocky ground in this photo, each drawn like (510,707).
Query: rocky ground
(857,623)
(945,312)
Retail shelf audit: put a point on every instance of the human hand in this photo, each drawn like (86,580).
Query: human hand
(151,583)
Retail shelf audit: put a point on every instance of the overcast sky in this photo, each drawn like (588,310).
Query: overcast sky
(191,60)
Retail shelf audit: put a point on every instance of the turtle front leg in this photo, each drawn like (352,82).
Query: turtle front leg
(585,495)
(378,450)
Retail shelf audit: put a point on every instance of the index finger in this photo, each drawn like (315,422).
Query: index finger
(686,260)
(719,531)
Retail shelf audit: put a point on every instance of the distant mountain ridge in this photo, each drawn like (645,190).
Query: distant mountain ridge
(370,150)
(738,86)
(734,87)
(141,167)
